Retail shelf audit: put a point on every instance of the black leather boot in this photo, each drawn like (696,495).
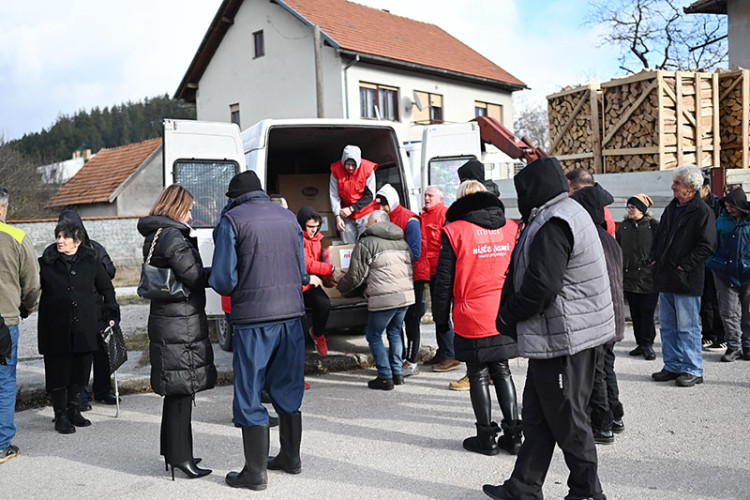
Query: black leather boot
(74,407)
(484,442)
(290,436)
(59,398)
(510,441)
(253,475)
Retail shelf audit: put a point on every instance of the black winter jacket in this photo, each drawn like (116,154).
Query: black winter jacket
(75,303)
(485,210)
(635,239)
(182,358)
(681,248)
(101,252)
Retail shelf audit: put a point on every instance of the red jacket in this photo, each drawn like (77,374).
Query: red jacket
(313,263)
(482,259)
(610,221)
(432,222)
(352,186)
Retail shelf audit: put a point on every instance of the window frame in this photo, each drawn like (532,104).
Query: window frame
(488,108)
(432,107)
(234,112)
(259,44)
(377,91)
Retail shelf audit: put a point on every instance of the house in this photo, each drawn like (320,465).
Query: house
(115,182)
(258,60)
(738,26)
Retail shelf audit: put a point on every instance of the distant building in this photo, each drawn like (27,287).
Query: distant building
(738,26)
(115,182)
(257,60)
(61,171)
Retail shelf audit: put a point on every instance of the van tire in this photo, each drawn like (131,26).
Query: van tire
(224,334)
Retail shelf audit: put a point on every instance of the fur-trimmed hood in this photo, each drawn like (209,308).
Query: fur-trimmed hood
(483,209)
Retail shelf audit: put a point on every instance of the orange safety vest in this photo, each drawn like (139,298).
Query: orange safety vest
(352,186)
(482,259)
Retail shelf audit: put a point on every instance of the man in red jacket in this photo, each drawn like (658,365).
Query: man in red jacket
(352,189)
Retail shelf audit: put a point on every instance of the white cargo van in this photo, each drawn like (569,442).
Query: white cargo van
(292,157)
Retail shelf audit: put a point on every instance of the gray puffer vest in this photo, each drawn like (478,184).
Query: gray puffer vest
(581,315)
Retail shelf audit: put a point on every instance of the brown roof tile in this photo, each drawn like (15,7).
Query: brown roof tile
(98,180)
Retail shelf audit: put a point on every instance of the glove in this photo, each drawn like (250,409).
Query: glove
(23,312)
(6,344)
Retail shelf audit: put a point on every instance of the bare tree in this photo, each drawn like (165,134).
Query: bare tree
(531,122)
(657,34)
(28,194)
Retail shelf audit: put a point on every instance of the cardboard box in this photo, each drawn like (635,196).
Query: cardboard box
(328,225)
(339,256)
(306,189)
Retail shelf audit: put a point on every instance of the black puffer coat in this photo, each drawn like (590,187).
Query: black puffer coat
(182,358)
(636,238)
(70,308)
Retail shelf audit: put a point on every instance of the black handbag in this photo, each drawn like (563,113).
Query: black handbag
(114,344)
(160,282)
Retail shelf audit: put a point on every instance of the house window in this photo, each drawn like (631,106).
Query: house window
(260,46)
(432,108)
(488,109)
(234,113)
(378,101)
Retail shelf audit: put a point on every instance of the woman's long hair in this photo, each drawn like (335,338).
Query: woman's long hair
(174,202)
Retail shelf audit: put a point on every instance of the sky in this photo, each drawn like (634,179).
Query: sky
(57,58)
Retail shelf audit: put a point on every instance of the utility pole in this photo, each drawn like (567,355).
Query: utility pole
(318,70)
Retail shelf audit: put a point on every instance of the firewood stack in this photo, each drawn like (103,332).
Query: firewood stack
(734,116)
(574,120)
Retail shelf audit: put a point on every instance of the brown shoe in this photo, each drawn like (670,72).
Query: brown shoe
(447,365)
(461,384)
(433,361)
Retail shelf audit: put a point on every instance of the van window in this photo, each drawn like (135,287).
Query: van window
(207,181)
(443,172)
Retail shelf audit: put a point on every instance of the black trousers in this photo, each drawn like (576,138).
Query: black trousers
(67,370)
(711,326)
(412,322)
(317,300)
(605,404)
(642,309)
(102,384)
(554,413)
(176,429)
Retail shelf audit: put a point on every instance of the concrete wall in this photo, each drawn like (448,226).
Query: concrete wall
(739,33)
(118,235)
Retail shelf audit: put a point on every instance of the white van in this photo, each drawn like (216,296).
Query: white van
(292,157)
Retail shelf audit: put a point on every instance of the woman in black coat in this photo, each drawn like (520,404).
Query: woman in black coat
(182,359)
(74,287)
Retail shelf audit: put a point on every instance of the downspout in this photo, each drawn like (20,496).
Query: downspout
(346,82)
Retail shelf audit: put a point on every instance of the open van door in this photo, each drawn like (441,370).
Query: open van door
(444,149)
(203,157)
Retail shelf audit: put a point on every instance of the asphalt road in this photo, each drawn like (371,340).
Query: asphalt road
(680,443)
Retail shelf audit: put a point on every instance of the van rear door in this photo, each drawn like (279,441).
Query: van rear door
(203,157)
(444,149)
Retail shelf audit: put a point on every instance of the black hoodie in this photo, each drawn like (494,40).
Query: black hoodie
(101,253)
(474,170)
(539,182)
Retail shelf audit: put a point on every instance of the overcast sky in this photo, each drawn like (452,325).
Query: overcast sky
(57,57)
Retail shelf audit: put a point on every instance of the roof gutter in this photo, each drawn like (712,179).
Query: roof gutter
(708,7)
(511,87)
(346,81)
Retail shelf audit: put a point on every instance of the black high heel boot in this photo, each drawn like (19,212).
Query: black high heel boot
(190,469)
(196,461)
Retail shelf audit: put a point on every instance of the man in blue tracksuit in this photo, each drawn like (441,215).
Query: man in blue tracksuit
(259,262)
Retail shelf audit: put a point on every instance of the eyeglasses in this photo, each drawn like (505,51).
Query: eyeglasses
(631,207)
(313,226)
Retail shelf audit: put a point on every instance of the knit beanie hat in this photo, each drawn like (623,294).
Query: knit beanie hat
(641,202)
(243,183)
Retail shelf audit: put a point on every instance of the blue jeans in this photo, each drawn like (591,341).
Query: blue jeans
(681,344)
(389,362)
(443,336)
(8,393)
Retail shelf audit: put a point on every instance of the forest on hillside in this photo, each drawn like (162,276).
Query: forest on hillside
(109,127)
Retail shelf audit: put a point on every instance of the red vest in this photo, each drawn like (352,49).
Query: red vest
(432,221)
(352,187)
(482,259)
(401,217)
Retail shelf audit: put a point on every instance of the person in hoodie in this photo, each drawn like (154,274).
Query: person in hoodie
(580,178)
(557,302)
(605,407)
(382,262)
(408,221)
(259,261)
(182,358)
(352,191)
(474,170)
(474,256)
(712,327)
(102,384)
(731,276)
(313,294)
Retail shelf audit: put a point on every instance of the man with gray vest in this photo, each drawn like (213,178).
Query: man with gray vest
(19,294)
(557,302)
(259,262)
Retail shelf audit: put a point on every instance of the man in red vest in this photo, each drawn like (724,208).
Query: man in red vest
(351,191)
(408,221)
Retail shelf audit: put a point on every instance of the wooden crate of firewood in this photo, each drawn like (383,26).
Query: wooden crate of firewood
(575,127)
(658,120)
(734,118)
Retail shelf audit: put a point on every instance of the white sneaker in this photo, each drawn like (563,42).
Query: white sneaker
(410,369)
